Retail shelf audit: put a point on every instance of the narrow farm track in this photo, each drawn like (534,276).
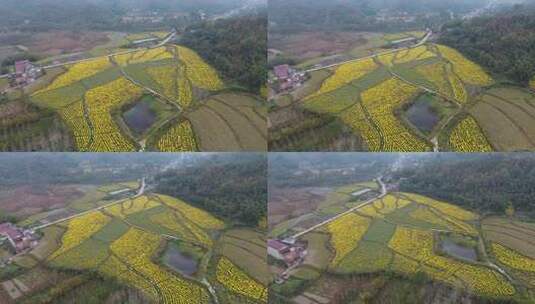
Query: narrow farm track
(151,91)
(140,191)
(368,202)
(421,42)
(142,142)
(170,36)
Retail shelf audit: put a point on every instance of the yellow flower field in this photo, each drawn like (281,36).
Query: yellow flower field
(344,74)
(467,137)
(179,137)
(198,71)
(201,217)
(132,206)
(345,232)
(380,102)
(467,70)
(448,209)
(512,258)
(418,244)
(77,72)
(79,229)
(238,281)
(136,248)
(100,102)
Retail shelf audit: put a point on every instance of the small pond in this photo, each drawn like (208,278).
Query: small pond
(421,114)
(459,251)
(179,261)
(140,117)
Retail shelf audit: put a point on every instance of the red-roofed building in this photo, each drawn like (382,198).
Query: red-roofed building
(18,238)
(277,249)
(282,72)
(288,253)
(25,72)
(21,67)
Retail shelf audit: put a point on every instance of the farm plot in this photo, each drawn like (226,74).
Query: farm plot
(90,96)
(371,105)
(241,270)
(229,122)
(401,233)
(123,240)
(514,235)
(507,117)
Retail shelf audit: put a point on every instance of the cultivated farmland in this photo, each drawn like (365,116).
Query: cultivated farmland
(148,99)
(162,247)
(379,98)
(408,235)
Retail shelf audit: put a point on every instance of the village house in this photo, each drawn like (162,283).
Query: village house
(18,238)
(289,254)
(287,78)
(25,73)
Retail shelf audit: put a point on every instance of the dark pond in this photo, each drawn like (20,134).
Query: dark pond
(421,115)
(140,117)
(459,251)
(180,261)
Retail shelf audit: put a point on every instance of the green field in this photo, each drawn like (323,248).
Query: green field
(230,122)
(407,235)
(124,241)
(362,94)
(163,85)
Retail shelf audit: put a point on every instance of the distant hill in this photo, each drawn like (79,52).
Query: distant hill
(39,15)
(360,15)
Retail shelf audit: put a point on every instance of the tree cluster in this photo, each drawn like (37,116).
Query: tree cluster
(231,186)
(486,183)
(503,43)
(236,47)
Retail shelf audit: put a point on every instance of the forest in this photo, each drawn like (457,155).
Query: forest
(231,186)
(236,47)
(503,43)
(487,183)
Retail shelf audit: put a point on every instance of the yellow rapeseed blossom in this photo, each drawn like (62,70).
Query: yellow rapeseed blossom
(179,137)
(467,136)
(79,229)
(230,276)
(467,70)
(512,258)
(199,72)
(345,74)
(345,232)
(77,72)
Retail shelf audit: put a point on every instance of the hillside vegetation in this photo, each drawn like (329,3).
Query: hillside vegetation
(232,187)
(236,47)
(485,183)
(503,43)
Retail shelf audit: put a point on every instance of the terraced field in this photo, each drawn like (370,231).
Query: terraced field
(408,234)
(124,239)
(372,96)
(91,96)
